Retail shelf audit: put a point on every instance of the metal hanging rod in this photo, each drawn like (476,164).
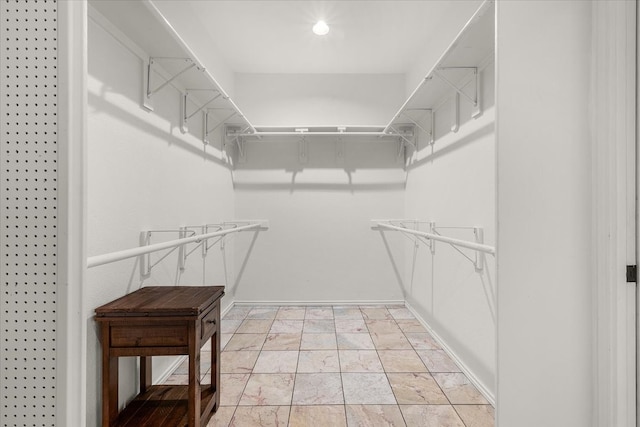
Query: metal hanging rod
(97,260)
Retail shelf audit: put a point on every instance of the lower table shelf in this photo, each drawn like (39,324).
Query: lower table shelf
(164,405)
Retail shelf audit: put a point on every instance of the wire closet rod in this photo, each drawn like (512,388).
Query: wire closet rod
(97,260)
(457,242)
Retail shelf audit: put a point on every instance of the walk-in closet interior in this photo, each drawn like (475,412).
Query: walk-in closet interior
(397,202)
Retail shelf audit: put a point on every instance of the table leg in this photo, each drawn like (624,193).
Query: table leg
(215,363)
(145,373)
(109,380)
(194,374)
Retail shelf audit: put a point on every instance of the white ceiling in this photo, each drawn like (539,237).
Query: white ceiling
(366,36)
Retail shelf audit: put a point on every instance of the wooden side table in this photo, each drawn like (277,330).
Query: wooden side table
(161,321)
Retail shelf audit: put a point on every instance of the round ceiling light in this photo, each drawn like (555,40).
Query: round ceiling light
(321,28)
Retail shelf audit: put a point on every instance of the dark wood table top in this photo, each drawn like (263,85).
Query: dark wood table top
(162,301)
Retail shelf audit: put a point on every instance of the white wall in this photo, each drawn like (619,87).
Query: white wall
(544,221)
(143,174)
(320,246)
(319,99)
(453,184)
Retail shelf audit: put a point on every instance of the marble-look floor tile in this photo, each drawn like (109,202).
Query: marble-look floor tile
(286,327)
(237,362)
(409,326)
(459,389)
(254,326)
(237,312)
(360,361)
(351,326)
(274,362)
(260,416)
(318,389)
(311,361)
(347,313)
(367,389)
(401,361)
(438,361)
(319,313)
(348,341)
(390,342)
(382,326)
(231,388)
(401,313)
(317,416)
(268,389)
(224,340)
(318,342)
(375,313)
(229,326)
(282,342)
(222,417)
(177,379)
(314,326)
(291,313)
(422,341)
(263,313)
(476,415)
(416,389)
(430,416)
(374,415)
(245,342)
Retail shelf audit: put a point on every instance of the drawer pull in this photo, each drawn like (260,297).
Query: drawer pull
(211,321)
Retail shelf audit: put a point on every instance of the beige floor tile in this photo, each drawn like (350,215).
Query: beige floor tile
(282,342)
(367,389)
(291,313)
(237,362)
(374,415)
(416,389)
(410,326)
(318,342)
(360,361)
(263,313)
(422,341)
(401,361)
(260,416)
(351,326)
(222,417)
(375,313)
(347,313)
(275,362)
(280,326)
(438,361)
(318,389)
(348,341)
(254,326)
(245,342)
(314,326)
(177,379)
(430,416)
(237,312)
(224,340)
(401,313)
(459,389)
(268,390)
(231,388)
(229,326)
(383,326)
(319,313)
(476,415)
(390,342)
(312,361)
(317,416)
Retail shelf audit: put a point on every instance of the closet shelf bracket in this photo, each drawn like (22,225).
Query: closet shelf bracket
(206,131)
(151,67)
(431,131)
(185,116)
(473,100)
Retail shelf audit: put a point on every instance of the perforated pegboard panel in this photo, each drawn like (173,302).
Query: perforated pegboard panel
(28,209)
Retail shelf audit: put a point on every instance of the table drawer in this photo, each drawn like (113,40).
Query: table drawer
(209,323)
(132,335)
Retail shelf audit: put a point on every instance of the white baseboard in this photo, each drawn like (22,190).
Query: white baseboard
(463,367)
(319,303)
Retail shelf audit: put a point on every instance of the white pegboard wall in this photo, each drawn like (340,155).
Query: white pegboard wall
(28,209)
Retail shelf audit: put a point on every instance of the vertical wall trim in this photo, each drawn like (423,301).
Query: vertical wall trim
(613,112)
(72,331)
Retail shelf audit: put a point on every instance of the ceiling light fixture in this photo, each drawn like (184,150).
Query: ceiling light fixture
(321,28)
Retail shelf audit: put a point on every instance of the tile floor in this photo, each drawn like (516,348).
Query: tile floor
(337,366)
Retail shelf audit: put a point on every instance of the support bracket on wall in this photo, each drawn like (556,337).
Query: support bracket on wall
(455,114)
(206,131)
(474,99)
(145,240)
(340,146)
(151,69)
(431,131)
(185,115)
(303,146)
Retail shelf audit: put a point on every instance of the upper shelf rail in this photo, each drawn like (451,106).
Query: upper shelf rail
(97,260)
